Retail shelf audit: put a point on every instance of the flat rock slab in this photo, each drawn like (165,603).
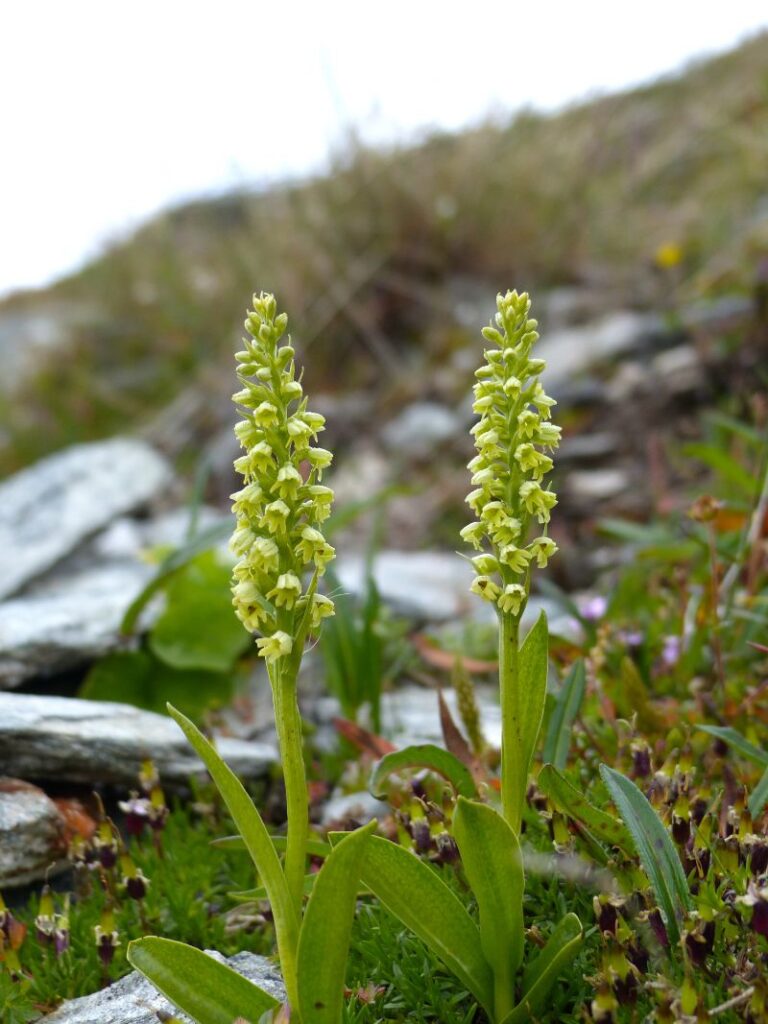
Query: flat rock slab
(428,585)
(134,1000)
(31,833)
(93,742)
(69,622)
(49,508)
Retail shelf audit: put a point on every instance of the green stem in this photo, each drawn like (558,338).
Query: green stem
(288,722)
(513,782)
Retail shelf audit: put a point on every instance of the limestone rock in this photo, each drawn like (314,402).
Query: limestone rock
(31,833)
(69,622)
(93,742)
(135,1000)
(49,508)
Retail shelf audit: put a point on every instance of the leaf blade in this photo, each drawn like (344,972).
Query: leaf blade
(326,930)
(493,862)
(419,898)
(539,977)
(258,841)
(424,755)
(654,847)
(738,742)
(208,990)
(569,800)
(569,700)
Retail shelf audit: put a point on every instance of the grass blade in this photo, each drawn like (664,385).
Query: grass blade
(326,928)
(208,990)
(418,897)
(425,755)
(657,853)
(558,739)
(759,795)
(736,740)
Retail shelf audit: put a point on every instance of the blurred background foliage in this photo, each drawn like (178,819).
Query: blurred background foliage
(648,197)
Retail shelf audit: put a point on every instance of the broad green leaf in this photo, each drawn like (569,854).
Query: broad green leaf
(736,740)
(203,541)
(567,705)
(315,847)
(197,628)
(425,755)
(542,973)
(326,928)
(421,900)
(208,990)
(655,848)
(139,678)
(259,843)
(490,854)
(570,800)
(759,795)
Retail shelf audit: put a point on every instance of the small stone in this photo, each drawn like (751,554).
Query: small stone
(360,807)
(423,585)
(679,370)
(31,833)
(135,1000)
(587,447)
(49,508)
(597,484)
(420,427)
(94,742)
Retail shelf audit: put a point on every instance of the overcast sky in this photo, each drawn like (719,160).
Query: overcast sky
(111,111)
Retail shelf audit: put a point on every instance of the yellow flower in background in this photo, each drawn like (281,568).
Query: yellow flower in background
(669,255)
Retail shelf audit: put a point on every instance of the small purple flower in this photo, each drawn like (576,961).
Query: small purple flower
(594,608)
(631,637)
(671,650)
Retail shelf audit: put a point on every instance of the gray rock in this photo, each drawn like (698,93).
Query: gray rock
(134,1000)
(31,833)
(587,447)
(49,508)
(679,370)
(421,426)
(597,484)
(361,806)
(426,585)
(575,349)
(92,741)
(68,622)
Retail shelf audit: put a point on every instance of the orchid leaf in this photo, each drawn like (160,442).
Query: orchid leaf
(420,899)
(492,860)
(543,971)
(326,929)
(206,989)
(570,801)
(425,755)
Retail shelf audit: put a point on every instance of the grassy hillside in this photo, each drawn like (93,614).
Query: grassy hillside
(367,257)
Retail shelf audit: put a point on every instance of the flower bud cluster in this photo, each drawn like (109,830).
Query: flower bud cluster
(510,498)
(282,502)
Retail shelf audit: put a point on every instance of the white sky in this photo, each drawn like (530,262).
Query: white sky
(111,111)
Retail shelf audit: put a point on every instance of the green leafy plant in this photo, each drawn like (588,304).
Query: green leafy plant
(508,498)
(276,537)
